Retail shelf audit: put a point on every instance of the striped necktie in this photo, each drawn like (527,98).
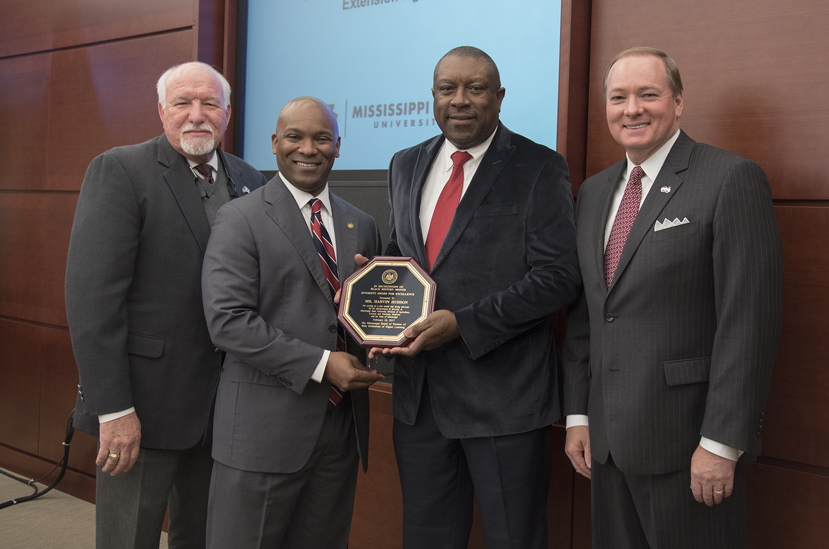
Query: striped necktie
(325,251)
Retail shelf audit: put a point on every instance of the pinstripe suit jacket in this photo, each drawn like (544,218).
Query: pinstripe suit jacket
(683,342)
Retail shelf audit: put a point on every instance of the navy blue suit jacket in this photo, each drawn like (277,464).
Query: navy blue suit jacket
(508,263)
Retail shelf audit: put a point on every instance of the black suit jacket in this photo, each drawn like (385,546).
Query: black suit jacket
(683,342)
(133,292)
(508,262)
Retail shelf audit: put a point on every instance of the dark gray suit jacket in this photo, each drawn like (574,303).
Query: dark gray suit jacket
(508,263)
(133,292)
(683,342)
(268,305)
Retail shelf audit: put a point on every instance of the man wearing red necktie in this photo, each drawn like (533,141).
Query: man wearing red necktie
(669,350)
(490,214)
(291,416)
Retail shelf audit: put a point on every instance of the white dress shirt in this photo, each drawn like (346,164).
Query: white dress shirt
(213,163)
(439,175)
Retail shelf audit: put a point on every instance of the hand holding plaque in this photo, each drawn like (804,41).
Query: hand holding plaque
(383,298)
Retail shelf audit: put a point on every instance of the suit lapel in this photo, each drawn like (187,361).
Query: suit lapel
(284,212)
(488,171)
(346,233)
(676,162)
(599,221)
(424,162)
(234,175)
(180,178)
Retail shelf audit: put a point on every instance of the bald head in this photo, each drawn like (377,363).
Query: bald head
(307,104)
(306,142)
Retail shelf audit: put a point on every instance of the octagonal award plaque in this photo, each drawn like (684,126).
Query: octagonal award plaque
(383,298)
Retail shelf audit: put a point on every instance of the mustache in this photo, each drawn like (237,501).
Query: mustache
(191,127)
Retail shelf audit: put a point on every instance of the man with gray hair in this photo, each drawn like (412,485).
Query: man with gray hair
(148,369)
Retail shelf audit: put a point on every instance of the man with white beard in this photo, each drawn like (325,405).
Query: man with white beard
(148,369)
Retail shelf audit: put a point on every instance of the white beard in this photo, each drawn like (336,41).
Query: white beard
(195,146)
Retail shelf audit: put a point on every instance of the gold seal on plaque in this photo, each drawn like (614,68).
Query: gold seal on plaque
(390,276)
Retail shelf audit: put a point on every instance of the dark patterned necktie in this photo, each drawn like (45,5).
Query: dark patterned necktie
(445,208)
(625,217)
(325,251)
(206,171)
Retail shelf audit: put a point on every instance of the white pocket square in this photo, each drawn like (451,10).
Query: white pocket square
(667,224)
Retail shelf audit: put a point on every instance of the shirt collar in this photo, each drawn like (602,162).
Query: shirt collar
(477,152)
(653,164)
(213,162)
(303,197)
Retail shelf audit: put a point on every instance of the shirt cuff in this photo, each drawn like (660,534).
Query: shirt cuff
(320,369)
(720,449)
(104,418)
(576,420)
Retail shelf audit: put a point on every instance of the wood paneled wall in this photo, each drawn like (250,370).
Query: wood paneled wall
(78,78)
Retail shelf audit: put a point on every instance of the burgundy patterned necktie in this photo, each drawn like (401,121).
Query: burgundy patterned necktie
(206,171)
(625,217)
(445,208)
(325,250)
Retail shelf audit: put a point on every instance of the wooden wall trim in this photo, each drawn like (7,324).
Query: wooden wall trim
(34,26)
(75,483)
(574,77)
(229,35)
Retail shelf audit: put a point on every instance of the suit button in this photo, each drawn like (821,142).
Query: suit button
(332,328)
(609,317)
(216,351)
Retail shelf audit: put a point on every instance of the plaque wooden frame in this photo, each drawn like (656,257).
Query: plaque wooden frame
(372,292)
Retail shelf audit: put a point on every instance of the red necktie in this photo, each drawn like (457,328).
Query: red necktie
(445,208)
(206,171)
(322,241)
(625,216)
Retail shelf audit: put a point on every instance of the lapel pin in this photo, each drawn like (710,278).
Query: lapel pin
(350,225)
(665,190)
(245,190)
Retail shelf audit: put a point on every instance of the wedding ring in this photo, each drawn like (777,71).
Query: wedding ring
(113,458)
(718,491)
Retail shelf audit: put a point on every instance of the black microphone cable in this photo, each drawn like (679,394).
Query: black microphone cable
(70,430)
